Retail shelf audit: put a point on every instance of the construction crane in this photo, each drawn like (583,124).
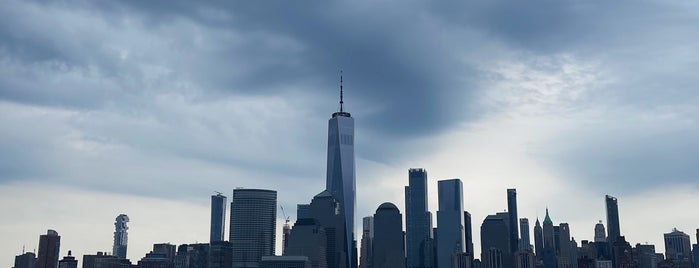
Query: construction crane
(286,218)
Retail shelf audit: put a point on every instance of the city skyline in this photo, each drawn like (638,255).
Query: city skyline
(126,107)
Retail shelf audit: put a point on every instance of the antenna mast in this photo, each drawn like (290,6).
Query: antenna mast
(341,102)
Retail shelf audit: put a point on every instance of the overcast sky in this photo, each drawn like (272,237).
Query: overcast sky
(148,107)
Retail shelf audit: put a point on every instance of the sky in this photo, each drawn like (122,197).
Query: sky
(148,107)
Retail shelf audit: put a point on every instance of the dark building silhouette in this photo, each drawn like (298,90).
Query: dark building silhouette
(538,241)
(103,260)
(644,256)
(623,254)
(193,256)
(389,243)
(512,221)
(495,241)
(418,221)
(253,225)
(155,260)
(308,238)
(525,242)
(677,245)
(68,261)
(564,251)
(524,259)
(169,250)
(367,242)
(468,230)
(285,262)
(326,210)
(26,260)
(49,246)
(121,236)
(218,217)
(450,221)
(613,231)
(549,254)
(220,254)
(340,180)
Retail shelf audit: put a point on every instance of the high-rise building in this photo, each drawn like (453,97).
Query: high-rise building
(49,246)
(26,260)
(308,238)
(450,221)
(218,217)
(285,262)
(538,241)
(677,245)
(68,261)
(169,250)
(341,181)
(564,254)
(600,233)
(417,218)
(512,221)
(155,260)
(613,231)
(121,236)
(549,256)
(326,210)
(525,243)
(644,256)
(220,254)
(389,251)
(524,259)
(367,242)
(623,254)
(252,225)
(495,234)
(469,238)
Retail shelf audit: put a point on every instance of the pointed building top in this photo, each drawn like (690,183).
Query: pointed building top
(341,97)
(342,102)
(547,219)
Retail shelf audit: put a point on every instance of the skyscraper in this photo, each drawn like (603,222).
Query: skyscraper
(252,225)
(121,236)
(389,251)
(677,245)
(538,241)
(524,230)
(495,240)
(450,221)
(613,231)
(68,261)
(549,256)
(218,217)
(49,246)
(512,221)
(417,218)
(26,260)
(326,210)
(564,256)
(600,233)
(341,181)
(367,242)
(468,231)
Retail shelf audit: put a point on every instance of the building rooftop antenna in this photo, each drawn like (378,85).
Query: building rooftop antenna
(341,101)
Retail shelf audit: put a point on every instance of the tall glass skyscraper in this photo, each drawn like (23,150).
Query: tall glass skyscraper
(450,221)
(525,243)
(388,241)
(613,231)
(512,221)
(340,180)
(417,218)
(253,225)
(49,247)
(218,217)
(121,236)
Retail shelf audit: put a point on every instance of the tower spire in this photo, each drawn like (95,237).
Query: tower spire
(341,102)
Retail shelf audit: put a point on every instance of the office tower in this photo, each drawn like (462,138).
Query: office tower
(623,256)
(468,231)
(525,259)
(167,249)
(285,262)
(677,245)
(388,237)
(695,253)
(326,210)
(340,172)
(564,258)
(121,236)
(574,253)
(308,238)
(367,242)
(549,256)
(49,246)
(613,231)
(155,260)
(252,225)
(218,217)
(600,233)
(644,256)
(26,260)
(450,221)
(538,241)
(495,239)
(512,221)
(417,218)
(68,261)
(220,254)
(524,234)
